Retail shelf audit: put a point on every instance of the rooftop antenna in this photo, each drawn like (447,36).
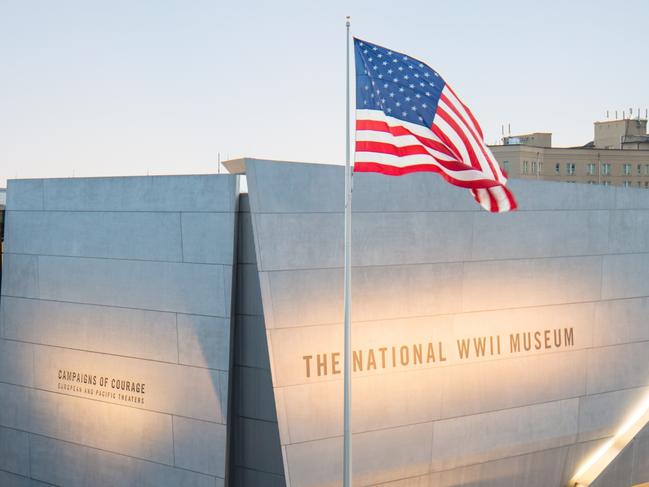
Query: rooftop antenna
(646,113)
(606,114)
(509,128)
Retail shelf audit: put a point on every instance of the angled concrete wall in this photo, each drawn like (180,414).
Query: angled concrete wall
(256,457)
(493,350)
(631,467)
(115,331)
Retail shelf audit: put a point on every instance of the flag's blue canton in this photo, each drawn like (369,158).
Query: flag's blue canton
(399,85)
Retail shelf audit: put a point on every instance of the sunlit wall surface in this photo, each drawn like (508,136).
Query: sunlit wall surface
(115,331)
(489,350)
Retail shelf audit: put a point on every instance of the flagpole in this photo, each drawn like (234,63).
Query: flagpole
(347,441)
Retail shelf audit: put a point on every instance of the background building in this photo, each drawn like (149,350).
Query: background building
(618,156)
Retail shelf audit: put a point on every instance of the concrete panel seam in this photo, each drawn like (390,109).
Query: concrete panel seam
(173,441)
(29,452)
(457,313)
(242,366)
(454,211)
(153,411)
(223,212)
(182,247)
(118,454)
(85,257)
(255,419)
(286,468)
(117,306)
(449,262)
(243,467)
(449,418)
(228,309)
(29,478)
(177,342)
(38,275)
(431,472)
(114,355)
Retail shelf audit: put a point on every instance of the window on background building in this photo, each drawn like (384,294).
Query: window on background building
(626,169)
(606,183)
(606,169)
(646,169)
(639,169)
(526,167)
(570,168)
(540,168)
(557,168)
(506,166)
(534,170)
(591,169)
(627,184)
(646,184)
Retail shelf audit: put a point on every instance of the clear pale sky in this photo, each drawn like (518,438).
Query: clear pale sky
(123,87)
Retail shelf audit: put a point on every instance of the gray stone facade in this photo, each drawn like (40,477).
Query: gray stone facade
(490,350)
(429,266)
(106,282)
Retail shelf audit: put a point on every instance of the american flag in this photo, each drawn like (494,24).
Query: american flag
(408,119)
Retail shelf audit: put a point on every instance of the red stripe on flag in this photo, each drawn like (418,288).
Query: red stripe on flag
(400,171)
(449,144)
(479,141)
(462,135)
(386,148)
(380,126)
(466,108)
(399,130)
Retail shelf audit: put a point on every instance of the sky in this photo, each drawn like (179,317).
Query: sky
(134,87)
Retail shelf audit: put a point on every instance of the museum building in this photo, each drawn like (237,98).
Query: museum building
(178,331)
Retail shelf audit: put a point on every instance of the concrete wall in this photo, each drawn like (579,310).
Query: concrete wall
(256,458)
(630,468)
(431,267)
(117,278)
(131,278)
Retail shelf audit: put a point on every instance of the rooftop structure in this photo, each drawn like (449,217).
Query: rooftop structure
(536,139)
(614,134)
(617,156)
